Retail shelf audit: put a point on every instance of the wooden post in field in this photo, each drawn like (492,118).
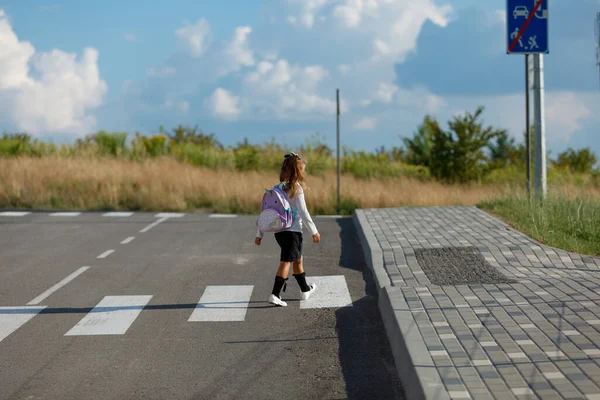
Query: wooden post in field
(338,150)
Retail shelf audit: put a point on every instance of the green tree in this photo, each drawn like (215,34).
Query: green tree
(418,149)
(457,154)
(581,161)
(503,152)
(183,134)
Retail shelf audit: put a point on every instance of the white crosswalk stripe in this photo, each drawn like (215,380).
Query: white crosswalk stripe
(112,316)
(223,303)
(12,318)
(332,292)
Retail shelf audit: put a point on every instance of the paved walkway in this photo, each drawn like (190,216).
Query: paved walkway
(475,309)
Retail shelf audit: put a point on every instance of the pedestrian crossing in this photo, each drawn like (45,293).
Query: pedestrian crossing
(114,315)
(12,318)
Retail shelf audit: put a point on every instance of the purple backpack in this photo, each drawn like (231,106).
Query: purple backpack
(276,212)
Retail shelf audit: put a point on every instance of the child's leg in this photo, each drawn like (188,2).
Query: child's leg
(298,267)
(300,275)
(281,278)
(284,269)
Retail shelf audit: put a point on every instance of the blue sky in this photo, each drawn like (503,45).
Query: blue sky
(264,69)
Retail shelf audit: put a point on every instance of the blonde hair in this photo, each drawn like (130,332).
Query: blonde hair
(292,173)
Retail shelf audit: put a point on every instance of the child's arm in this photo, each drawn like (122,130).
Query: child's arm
(303,211)
(258,237)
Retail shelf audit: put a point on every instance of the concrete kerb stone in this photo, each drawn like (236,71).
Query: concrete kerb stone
(372,250)
(414,364)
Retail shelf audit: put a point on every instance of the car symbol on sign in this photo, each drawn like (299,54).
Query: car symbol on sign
(520,11)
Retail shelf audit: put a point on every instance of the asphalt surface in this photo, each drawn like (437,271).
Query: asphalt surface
(274,353)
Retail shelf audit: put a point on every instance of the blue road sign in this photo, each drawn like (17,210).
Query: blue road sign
(527,26)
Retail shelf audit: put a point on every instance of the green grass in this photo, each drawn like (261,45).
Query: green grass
(560,222)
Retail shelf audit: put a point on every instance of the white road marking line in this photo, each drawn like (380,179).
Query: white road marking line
(112,316)
(14,213)
(60,284)
(117,214)
(106,254)
(222,216)
(223,303)
(12,318)
(332,291)
(128,240)
(65,214)
(152,225)
(169,215)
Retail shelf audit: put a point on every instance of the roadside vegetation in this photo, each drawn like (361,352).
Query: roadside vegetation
(185,169)
(567,221)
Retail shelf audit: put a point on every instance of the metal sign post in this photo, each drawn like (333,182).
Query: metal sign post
(597,34)
(527,33)
(338,149)
(527,133)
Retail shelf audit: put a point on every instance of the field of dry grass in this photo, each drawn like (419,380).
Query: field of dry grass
(165,184)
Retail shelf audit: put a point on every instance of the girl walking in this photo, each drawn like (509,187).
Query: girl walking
(292,178)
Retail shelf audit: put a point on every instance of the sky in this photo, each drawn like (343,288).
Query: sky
(263,69)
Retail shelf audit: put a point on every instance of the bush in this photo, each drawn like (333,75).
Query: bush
(110,143)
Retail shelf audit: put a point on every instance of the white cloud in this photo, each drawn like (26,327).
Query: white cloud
(47,92)
(285,91)
(501,16)
(366,124)
(309,9)
(130,37)
(368,37)
(223,105)
(565,112)
(238,51)
(385,92)
(196,38)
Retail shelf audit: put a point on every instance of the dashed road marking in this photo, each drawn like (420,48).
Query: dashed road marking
(60,284)
(106,254)
(65,214)
(128,240)
(169,215)
(152,225)
(118,214)
(14,213)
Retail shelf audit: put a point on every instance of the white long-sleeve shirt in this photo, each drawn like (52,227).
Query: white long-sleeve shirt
(298,204)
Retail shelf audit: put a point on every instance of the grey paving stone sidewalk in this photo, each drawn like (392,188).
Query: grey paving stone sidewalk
(500,315)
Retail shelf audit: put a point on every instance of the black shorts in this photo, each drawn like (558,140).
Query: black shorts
(291,245)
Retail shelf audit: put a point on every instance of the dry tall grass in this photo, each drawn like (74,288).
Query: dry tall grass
(165,184)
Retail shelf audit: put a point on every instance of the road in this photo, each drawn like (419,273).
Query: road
(172,306)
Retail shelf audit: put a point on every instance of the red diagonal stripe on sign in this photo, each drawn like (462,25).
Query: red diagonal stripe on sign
(531,15)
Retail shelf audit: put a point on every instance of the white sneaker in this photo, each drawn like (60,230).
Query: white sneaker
(306,295)
(277,301)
